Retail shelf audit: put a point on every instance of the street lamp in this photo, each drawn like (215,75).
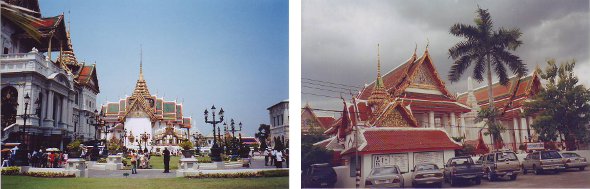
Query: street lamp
(215,149)
(144,137)
(234,141)
(26,116)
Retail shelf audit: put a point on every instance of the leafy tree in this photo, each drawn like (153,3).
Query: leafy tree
(262,135)
(562,106)
(312,154)
(486,48)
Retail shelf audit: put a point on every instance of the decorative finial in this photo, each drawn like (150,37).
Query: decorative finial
(378,62)
(427,43)
(140,62)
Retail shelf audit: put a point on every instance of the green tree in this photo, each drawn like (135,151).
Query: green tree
(562,106)
(262,135)
(312,154)
(486,48)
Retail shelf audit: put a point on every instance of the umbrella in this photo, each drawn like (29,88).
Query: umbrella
(52,150)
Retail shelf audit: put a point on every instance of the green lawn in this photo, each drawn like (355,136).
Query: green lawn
(157,162)
(15,182)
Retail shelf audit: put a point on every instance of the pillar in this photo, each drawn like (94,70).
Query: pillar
(445,121)
(431,119)
(43,108)
(517,132)
(462,118)
(424,122)
(530,122)
(523,126)
(454,127)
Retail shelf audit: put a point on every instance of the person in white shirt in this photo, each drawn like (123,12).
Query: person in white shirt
(279,159)
(266,157)
(273,157)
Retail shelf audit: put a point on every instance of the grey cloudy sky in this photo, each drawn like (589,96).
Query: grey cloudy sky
(339,38)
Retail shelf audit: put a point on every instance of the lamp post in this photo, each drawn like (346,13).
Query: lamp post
(215,150)
(75,119)
(234,141)
(144,137)
(26,116)
(124,139)
(97,122)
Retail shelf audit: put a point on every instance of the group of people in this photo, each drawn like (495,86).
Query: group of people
(47,159)
(275,157)
(139,158)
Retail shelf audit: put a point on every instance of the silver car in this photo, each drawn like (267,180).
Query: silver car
(427,173)
(385,177)
(573,160)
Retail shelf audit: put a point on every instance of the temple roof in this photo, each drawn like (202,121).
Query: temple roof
(323,122)
(508,97)
(87,77)
(397,140)
(397,80)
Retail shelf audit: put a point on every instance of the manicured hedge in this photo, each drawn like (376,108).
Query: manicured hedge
(11,171)
(16,171)
(270,173)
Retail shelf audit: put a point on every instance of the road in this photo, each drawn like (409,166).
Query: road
(568,179)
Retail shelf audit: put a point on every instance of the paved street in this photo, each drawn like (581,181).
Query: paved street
(569,179)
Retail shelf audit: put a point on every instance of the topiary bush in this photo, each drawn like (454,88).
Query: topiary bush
(11,171)
(270,173)
(101,160)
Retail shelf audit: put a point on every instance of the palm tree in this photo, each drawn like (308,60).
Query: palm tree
(486,48)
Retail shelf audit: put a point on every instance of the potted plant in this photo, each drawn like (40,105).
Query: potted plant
(187,147)
(74,150)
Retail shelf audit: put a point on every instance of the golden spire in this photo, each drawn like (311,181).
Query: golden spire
(141,86)
(140,62)
(379,95)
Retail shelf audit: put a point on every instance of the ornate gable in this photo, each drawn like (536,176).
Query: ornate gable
(394,115)
(423,79)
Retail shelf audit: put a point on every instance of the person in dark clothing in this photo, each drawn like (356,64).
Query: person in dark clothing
(166,160)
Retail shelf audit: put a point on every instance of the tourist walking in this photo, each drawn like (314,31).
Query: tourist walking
(166,160)
(133,162)
(266,156)
(279,159)
(273,156)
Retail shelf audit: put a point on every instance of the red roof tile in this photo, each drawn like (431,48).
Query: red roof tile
(326,122)
(406,140)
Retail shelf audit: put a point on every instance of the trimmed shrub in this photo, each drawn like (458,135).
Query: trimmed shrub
(49,174)
(270,173)
(11,171)
(101,160)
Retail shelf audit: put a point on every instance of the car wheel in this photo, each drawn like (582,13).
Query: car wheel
(582,168)
(524,171)
(537,171)
(491,176)
(513,177)
(478,181)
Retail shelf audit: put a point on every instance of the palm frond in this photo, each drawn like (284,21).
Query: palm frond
(507,38)
(484,21)
(463,48)
(463,30)
(514,62)
(460,66)
(500,71)
(479,69)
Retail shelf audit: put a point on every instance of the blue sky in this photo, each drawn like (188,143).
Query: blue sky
(233,54)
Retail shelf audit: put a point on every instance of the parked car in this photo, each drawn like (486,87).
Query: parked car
(427,173)
(385,177)
(462,168)
(320,176)
(541,161)
(500,164)
(574,160)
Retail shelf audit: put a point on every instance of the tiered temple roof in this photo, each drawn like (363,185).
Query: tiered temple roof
(141,101)
(310,119)
(507,98)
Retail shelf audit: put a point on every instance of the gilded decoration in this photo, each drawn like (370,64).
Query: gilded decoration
(423,79)
(393,118)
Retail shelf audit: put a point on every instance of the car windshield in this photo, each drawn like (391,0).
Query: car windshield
(510,156)
(550,155)
(460,161)
(426,167)
(385,171)
(569,155)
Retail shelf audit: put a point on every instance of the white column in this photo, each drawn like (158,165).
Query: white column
(517,132)
(523,124)
(50,105)
(445,122)
(529,123)
(454,127)
(462,118)
(431,119)
(424,122)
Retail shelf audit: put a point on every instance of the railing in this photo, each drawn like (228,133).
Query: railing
(18,62)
